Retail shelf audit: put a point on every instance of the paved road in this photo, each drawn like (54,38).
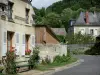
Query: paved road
(90,66)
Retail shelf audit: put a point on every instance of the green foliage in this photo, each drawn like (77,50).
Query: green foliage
(1,69)
(58,14)
(34,59)
(61,38)
(58,61)
(52,19)
(10,64)
(95,50)
(79,38)
(66,16)
(61,59)
(58,7)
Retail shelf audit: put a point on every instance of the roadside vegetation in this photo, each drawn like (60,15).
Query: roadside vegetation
(79,38)
(57,62)
(95,50)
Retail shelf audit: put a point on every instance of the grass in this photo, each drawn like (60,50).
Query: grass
(53,65)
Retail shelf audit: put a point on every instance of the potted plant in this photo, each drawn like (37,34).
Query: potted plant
(27,52)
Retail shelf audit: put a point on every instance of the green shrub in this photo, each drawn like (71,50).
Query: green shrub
(1,69)
(61,38)
(34,59)
(78,38)
(95,50)
(64,58)
(10,64)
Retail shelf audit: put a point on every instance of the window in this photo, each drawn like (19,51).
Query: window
(10,7)
(91,32)
(82,31)
(27,15)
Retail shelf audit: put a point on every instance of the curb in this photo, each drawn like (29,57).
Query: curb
(78,62)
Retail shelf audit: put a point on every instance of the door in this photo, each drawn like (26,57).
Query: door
(9,40)
(27,41)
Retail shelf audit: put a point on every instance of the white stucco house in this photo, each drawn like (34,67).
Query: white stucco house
(86,23)
(16,26)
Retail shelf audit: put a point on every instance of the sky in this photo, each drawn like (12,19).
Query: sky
(43,3)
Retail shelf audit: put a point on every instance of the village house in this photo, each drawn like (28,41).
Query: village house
(17,29)
(87,23)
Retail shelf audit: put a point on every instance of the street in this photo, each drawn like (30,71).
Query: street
(90,66)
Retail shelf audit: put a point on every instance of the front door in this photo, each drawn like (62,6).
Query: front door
(27,41)
(9,40)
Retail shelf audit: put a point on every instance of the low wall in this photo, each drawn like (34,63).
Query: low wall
(79,46)
(51,51)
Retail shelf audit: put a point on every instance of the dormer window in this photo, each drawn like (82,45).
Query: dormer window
(27,15)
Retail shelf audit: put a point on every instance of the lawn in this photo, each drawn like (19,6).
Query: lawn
(53,65)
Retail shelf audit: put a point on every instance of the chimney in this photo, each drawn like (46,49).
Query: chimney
(87,17)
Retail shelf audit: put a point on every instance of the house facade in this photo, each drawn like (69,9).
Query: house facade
(44,35)
(87,23)
(17,29)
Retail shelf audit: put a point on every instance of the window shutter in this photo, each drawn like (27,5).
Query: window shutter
(17,37)
(17,43)
(23,45)
(33,40)
(4,42)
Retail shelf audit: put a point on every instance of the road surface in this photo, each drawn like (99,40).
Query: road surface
(90,66)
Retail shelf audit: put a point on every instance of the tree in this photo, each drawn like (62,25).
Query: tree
(53,20)
(65,17)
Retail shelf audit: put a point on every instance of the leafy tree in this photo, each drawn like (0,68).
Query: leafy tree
(52,19)
(66,16)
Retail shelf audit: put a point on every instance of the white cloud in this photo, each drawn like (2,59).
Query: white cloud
(43,3)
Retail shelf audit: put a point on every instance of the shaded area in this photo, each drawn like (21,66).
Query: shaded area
(95,50)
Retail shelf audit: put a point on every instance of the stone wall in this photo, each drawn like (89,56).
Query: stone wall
(51,51)
(79,46)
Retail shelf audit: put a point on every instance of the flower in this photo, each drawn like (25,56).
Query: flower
(27,52)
